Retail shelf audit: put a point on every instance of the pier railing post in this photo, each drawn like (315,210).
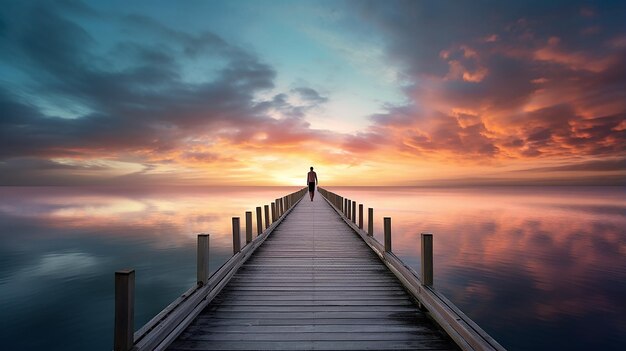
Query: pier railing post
(248,227)
(427,259)
(348,208)
(259,221)
(123,338)
(236,236)
(387,227)
(266,209)
(360,216)
(273,212)
(370,221)
(353,211)
(203,259)
(345,207)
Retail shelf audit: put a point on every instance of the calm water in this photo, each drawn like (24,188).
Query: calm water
(539,268)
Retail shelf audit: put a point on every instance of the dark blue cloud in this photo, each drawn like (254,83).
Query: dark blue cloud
(142,104)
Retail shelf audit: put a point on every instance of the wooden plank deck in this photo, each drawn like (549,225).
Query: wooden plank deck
(313,284)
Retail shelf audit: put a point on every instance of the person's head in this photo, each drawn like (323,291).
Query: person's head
(311,168)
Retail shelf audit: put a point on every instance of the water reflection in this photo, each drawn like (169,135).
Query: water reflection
(539,268)
(59,248)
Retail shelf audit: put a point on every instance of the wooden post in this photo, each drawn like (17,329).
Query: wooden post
(203,259)
(360,216)
(349,208)
(387,227)
(124,310)
(370,221)
(236,237)
(282,206)
(427,259)
(267,215)
(273,212)
(345,206)
(248,227)
(259,222)
(353,211)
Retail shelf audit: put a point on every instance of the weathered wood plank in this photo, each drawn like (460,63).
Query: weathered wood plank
(235,308)
(375,299)
(314,302)
(321,288)
(311,345)
(201,335)
(312,283)
(310,328)
(312,294)
(313,315)
(377,322)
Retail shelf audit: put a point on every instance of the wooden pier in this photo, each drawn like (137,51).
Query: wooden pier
(312,280)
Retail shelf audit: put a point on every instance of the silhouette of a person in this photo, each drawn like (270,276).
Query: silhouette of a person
(311,179)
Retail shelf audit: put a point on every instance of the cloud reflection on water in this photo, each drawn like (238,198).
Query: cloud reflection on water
(173,216)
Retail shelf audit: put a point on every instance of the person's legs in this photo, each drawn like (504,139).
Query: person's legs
(311,190)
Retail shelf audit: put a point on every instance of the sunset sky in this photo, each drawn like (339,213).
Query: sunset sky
(367,92)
